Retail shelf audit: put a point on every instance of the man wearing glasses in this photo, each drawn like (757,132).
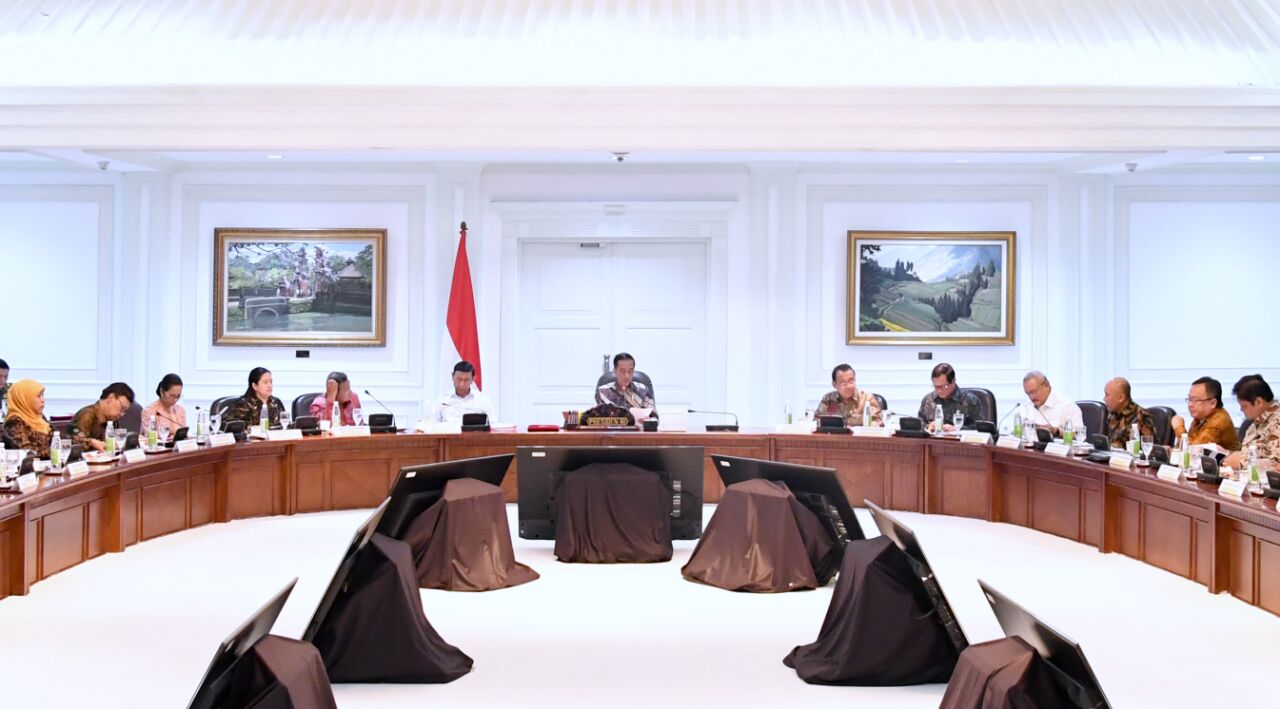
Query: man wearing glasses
(1046,408)
(947,393)
(1210,422)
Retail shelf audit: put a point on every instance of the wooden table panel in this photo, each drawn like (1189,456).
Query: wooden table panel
(1057,508)
(61,537)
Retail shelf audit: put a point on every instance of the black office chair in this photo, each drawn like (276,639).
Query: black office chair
(641,377)
(884,405)
(302,404)
(986,401)
(1162,420)
(1094,414)
(220,406)
(131,420)
(1244,428)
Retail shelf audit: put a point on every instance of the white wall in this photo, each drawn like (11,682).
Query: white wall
(1110,271)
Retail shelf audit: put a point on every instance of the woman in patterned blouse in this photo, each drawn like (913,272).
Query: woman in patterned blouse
(26,423)
(168,412)
(256,402)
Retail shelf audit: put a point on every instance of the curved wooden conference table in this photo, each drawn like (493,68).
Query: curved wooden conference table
(1185,528)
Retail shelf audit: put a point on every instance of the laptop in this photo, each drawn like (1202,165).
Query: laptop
(1068,665)
(905,539)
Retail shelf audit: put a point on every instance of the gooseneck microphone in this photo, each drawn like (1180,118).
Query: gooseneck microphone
(379,403)
(719,427)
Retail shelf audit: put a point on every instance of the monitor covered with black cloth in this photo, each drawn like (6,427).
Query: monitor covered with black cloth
(338,584)
(418,487)
(905,539)
(818,489)
(1071,669)
(679,467)
(213,688)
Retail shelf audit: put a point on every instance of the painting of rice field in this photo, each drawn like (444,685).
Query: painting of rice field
(916,288)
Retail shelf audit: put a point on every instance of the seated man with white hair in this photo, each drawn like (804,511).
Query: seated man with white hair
(1046,408)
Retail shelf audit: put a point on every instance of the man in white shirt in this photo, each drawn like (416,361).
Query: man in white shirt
(464,399)
(1046,408)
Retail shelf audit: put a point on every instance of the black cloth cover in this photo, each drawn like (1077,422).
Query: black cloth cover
(612,512)
(762,540)
(377,631)
(463,541)
(1002,674)
(880,628)
(280,673)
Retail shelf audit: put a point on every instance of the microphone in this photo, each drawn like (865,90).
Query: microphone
(712,428)
(378,426)
(379,403)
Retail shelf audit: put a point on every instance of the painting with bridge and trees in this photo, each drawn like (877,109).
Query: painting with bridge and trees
(912,288)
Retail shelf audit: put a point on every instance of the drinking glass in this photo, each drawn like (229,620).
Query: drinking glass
(286,419)
(164,436)
(64,450)
(1148,443)
(215,424)
(121,434)
(1196,468)
(357,417)
(957,420)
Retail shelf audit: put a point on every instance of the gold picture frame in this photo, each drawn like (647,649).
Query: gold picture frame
(300,287)
(931,287)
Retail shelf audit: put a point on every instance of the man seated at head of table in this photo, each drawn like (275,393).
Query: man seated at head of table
(25,424)
(1258,404)
(465,398)
(625,391)
(1123,412)
(947,394)
(1046,408)
(848,401)
(337,387)
(257,402)
(168,413)
(89,425)
(1210,422)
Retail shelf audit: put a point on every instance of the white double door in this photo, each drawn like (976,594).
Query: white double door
(583,302)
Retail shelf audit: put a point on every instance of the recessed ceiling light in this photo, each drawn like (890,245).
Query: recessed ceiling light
(274,157)
(1256,158)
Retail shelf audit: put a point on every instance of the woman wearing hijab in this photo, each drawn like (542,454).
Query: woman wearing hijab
(26,423)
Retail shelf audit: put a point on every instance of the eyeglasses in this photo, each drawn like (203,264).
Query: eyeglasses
(1192,400)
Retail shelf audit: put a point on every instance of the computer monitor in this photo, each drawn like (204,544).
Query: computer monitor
(213,687)
(1069,667)
(338,584)
(679,467)
(818,489)
(905,539)
(418,487)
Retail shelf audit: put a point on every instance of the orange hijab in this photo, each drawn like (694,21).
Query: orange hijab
(22,404)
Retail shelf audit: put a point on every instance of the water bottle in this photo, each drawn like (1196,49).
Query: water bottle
(1255,484)
(336,416)
(264,419)
(786,411)
(1017,424)
(153,434)
(866,414)
(202,426)
(937,418)
(1068,433)
(110,436)
(55,450)
(1135,439)
(1185,447)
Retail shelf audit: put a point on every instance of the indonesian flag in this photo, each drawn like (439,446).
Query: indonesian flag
(460,338)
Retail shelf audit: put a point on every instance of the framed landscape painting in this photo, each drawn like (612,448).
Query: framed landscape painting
(290,287)
(931,288)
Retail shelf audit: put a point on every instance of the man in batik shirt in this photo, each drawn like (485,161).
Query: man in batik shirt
(625,391)
(847,400)
(1122,413)
(1258,404)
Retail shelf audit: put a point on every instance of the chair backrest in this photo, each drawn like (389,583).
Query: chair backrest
(884,405)
(1162,419)
(131,419)
(986,403)
(1244,428)
(1094,414)
(610,377)
(220,405)
(302,404)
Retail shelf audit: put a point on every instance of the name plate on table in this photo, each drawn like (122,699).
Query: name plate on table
(1233,488)
(288,434)
(77,469)
(349,431)
(977,437)
(1009,442)
(873,431)
(186,446)
(445,427)
(218,440)
(794,428)
(28,482)
(1169,472)
(135,455)
(1120,460)
(1060,450)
